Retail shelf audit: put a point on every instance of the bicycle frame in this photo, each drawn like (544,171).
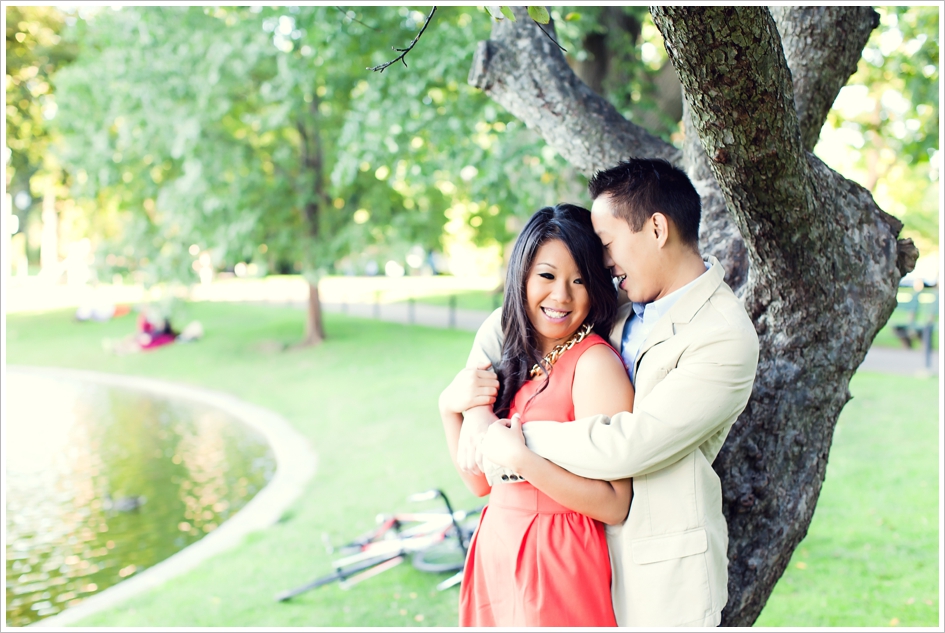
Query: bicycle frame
(386,546)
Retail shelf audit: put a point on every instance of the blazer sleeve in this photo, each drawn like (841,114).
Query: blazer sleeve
(487,347)
(698,399)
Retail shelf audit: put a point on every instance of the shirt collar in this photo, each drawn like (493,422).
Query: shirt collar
(663,305)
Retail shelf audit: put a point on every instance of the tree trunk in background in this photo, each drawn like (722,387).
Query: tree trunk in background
(314,328)
(316,199)
(815,261)
(606,66)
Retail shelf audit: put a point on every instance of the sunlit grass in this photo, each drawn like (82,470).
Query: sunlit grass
(366,399)
(871,557)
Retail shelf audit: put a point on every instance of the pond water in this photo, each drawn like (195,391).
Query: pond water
(102,483)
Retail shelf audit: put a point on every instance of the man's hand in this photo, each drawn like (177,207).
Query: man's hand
(504,443)
(475,425)
(470,388)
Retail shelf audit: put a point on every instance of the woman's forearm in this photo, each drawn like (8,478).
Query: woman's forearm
(452,424)
(605,501)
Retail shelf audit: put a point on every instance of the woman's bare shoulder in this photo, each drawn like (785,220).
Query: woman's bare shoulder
(601,384)
(597,359)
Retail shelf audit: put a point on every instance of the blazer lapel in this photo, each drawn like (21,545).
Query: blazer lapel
(662,331)
(684,309)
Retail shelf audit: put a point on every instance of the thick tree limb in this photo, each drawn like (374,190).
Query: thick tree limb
(822,46)
(582,126)
(718,234)
(741,101)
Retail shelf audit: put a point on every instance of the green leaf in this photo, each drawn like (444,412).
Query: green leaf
(507,12)
(495,12)
(572,17)
(539,14)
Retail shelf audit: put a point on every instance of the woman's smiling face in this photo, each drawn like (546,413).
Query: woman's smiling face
(556,296)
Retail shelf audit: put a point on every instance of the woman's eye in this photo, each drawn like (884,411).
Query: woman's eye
(579,281)
(546,275)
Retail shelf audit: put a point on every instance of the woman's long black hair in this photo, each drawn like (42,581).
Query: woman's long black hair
(520,352)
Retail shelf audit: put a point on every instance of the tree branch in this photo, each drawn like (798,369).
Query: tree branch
(582,126)
(741,101)
(718,234)
(822,54)
(822,46)
(357,20)
(563,49)
(403,51)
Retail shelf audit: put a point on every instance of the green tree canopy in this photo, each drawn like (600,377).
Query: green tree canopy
(34,52)
(278,138)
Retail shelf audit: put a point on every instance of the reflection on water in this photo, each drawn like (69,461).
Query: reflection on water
(103,483)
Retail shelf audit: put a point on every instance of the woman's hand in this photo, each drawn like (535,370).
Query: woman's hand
(470,388)
(504,444)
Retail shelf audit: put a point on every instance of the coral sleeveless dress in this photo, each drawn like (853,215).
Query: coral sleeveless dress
(534,562)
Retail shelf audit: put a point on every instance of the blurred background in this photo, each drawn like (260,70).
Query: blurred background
(238,176)
(169,146)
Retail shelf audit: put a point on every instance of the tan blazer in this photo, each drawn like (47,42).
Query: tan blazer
(694,375)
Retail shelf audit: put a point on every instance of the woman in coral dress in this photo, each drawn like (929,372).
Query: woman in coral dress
(539,557)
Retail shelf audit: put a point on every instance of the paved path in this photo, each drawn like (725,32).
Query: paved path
(909,362)
(878,359)
(417,314)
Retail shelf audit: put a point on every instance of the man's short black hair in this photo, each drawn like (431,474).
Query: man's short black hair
(640,187)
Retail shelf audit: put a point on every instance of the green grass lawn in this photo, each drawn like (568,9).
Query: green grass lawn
(366,399)
(871,555)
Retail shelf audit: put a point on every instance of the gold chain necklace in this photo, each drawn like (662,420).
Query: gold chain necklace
(552,357)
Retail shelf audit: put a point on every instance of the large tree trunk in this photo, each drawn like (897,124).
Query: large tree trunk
(816,262)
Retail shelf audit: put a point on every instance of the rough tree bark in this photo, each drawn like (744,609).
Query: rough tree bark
(822,46)
(815,261)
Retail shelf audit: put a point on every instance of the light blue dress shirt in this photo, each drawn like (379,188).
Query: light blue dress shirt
(641,321)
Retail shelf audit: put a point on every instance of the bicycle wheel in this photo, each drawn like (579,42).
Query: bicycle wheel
(447,555)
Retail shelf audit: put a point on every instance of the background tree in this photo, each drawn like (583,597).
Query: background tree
(278,139)
(886,119)
(34,52)
(228,157)
(815,261)
(617,52)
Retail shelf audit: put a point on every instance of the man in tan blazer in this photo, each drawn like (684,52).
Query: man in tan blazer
(691,352)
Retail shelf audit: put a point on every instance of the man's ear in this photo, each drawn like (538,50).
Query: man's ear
(660,226)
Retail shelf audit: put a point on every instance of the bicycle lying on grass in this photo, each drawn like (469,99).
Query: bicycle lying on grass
(436,542)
